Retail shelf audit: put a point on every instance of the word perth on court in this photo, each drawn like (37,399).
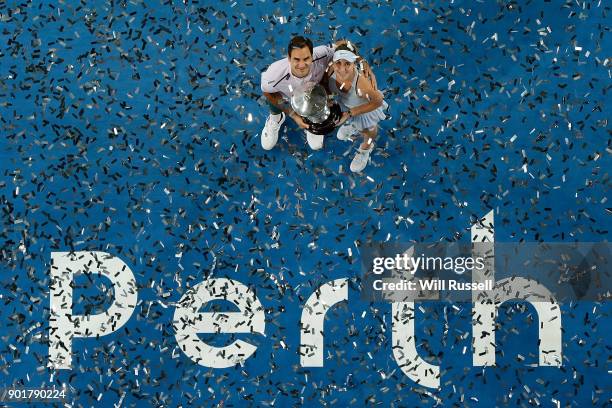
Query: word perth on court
(189,322)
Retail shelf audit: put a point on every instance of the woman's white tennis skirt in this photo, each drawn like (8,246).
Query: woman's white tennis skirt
(369,119)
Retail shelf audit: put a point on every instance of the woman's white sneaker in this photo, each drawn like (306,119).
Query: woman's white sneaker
(360,161)
(269,134)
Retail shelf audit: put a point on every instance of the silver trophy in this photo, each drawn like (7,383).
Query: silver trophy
(311,103)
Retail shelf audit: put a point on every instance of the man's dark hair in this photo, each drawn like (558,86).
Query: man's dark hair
(297,43)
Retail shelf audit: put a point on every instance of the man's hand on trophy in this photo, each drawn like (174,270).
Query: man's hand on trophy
(300,122)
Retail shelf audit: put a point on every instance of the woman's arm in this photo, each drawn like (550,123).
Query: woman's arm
(366,90)
(366,71)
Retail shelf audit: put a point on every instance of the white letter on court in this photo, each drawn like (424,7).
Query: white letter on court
(189,321)
(404,347)
(64,326)
(485,305)
(403,338)
(313,316)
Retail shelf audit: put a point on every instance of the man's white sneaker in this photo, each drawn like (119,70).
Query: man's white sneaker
(269,134)
(360,161)
(314,141)
(346,131)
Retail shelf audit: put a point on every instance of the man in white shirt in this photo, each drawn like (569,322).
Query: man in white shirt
(303,64)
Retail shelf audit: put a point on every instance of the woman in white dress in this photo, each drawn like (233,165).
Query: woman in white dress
(362,103)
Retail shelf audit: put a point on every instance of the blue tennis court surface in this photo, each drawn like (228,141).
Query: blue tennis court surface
(132,127)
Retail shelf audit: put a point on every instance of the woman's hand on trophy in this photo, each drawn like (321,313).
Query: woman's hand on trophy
(345,116)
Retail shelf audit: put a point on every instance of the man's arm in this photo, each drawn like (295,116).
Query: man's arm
(276,99)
